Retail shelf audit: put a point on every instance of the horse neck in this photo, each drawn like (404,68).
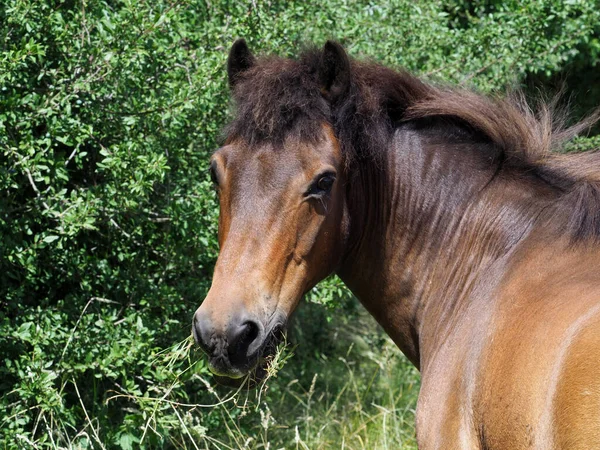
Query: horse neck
(427,224)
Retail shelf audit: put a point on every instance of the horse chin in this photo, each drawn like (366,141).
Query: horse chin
(249,381)
(233,383)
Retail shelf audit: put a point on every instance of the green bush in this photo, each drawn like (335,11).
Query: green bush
(109,110)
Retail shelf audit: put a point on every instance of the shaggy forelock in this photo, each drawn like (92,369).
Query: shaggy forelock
(278,98)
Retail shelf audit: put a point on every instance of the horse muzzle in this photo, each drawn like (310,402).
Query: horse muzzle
(239,347)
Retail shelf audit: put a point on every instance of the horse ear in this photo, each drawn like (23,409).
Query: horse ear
(334,71)
(240,59)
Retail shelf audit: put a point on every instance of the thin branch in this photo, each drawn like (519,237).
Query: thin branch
(35,188)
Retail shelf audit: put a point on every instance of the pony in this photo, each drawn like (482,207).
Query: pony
(448,214)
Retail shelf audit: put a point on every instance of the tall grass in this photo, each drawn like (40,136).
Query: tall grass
(338,383)
(364,399)
(312,399)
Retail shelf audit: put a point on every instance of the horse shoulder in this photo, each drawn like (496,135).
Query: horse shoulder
(575,409)
(539,383)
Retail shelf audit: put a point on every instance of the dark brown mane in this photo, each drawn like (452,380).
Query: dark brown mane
(277,98)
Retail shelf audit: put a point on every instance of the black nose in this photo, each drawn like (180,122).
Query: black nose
(235,347)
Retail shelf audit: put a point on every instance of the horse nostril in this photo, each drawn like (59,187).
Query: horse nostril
(252,332)
(201,329)
(241,340)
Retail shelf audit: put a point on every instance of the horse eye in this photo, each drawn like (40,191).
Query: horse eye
(325,183)
(321,185)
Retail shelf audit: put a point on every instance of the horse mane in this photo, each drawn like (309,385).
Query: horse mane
(279,98)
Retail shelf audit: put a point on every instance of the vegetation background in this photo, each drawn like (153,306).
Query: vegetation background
(109,110)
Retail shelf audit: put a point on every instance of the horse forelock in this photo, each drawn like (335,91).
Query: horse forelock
(276,99)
